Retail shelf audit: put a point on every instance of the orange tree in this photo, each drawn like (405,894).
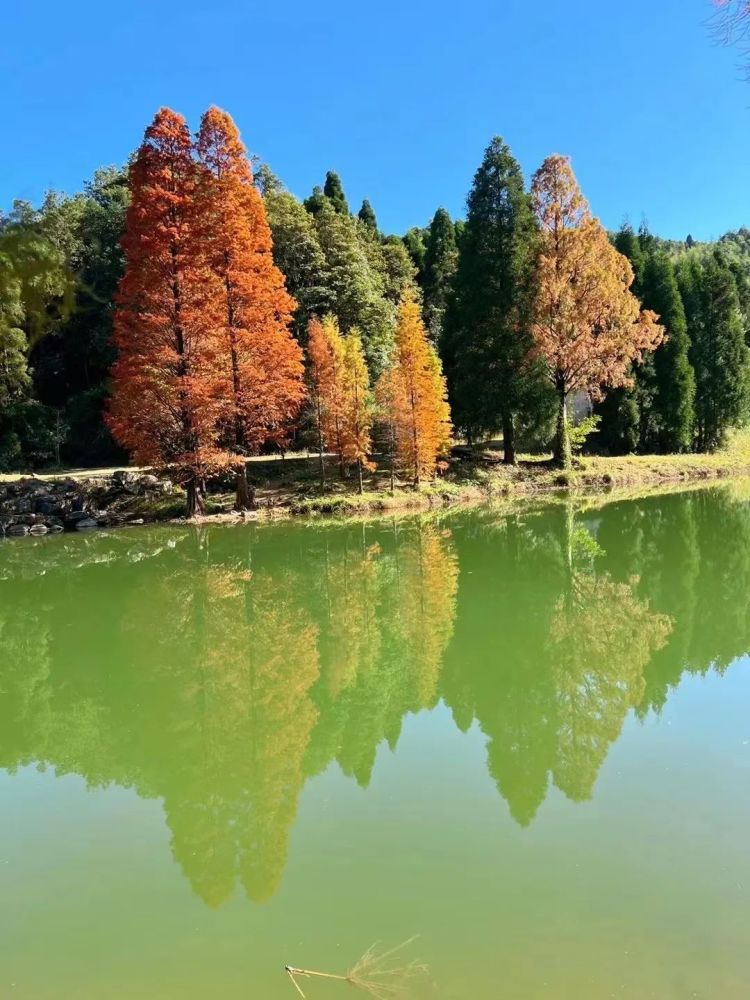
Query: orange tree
(262,360)
(357,423)
(588,327)
(326,376)
(167,380)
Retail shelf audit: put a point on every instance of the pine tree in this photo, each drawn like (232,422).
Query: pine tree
(167,381)
(718,351)
(334,192)
(416,389)
(366,215)
(414,241)
(263,361)
(486,341)
(588,326)
(440,262)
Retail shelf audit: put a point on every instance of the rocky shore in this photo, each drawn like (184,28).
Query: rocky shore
(33,506)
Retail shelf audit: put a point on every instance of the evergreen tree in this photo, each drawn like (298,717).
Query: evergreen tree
(629,244)
(316,201)
(668,425)
(298,255)
(414,241)
(400,273)
(366,215)
(333,190)
(440,262)
(718,351)
(486,340)
(355,285)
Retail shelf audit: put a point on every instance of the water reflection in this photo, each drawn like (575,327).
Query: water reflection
(219,669)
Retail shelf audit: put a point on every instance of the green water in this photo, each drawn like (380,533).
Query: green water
(524,738)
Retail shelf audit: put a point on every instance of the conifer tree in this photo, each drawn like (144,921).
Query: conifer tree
(168,378)
(588,327)
(334,192)
(718,351)
(486,341)
(416,389)
(326,353)
(668,427)
(355,283)
(440,262)
(357,404)
(297,254)
(366,215)
(263,360)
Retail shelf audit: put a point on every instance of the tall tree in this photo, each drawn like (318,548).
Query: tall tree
(298,255)
(356,285)
(367,216)
(168,378)
(263,360)
(417,390)
(718,351)
(334,191)
(326,370)
(486,342)
(588,327)
(357,424)
(440,262)
(668,426)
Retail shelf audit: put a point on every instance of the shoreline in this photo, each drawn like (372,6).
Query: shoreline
(104,499)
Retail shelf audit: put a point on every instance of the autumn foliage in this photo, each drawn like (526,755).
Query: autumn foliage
(263,365)
(207,369)
(340,394)
(413,394)
(167,382)
(588,327)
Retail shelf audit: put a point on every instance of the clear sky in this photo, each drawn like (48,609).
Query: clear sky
(399,97)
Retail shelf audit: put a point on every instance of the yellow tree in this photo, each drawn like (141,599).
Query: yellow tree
(588,327)
(357,406)
(326,365)
(415,389)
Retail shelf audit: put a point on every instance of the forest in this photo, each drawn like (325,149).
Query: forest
(188,311)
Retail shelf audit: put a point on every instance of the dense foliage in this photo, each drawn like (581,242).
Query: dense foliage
(479,287)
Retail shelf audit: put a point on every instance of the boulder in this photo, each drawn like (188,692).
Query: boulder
(38,529)
(86,524)
(17,529)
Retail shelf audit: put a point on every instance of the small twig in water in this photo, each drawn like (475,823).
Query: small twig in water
(370,974)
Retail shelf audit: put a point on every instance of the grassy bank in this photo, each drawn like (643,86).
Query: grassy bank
(289,486)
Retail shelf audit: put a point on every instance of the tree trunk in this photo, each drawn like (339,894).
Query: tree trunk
(360,485)
(194,505)
(245,496)
(321,463)
(509,439)
(562,454)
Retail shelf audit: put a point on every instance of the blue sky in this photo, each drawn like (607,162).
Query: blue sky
(399,97)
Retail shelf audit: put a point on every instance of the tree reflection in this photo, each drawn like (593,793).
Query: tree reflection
(218,670)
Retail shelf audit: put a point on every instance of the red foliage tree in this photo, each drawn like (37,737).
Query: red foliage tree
(263,361)
(167,380)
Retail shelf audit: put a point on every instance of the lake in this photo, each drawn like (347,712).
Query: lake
(524,738)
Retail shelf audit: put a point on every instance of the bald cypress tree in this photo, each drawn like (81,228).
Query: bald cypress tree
(486,340)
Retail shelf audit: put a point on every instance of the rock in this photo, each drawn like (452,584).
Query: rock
(54,529)
(38,529)
(17,530)
(125,480)
(148,482)
(86,524)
